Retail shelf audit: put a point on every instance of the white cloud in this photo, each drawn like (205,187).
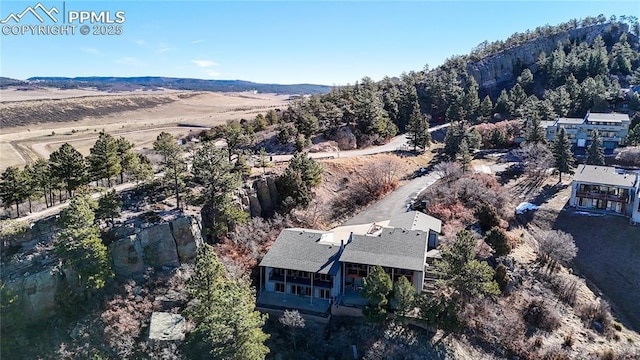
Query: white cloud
(165,49)
(130,61)
(90,50)
(198,41)
(213,73)
(141,43)
(204,63)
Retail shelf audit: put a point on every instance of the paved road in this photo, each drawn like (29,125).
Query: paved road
(58,208)
(396,142)
(395,202)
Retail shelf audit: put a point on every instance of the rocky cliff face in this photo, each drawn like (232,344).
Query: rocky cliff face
(261,197)
(500,70)
(165,244)
(33,274)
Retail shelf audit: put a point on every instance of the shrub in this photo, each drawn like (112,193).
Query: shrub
(488,217)
(499,241)
(502,277)
(556,246)
(597,316)
(539,315)
(568,340)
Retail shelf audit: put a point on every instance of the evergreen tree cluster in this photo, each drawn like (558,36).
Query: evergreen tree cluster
(67,170)
(574,77)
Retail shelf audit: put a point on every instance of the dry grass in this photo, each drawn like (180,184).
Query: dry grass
(139,117)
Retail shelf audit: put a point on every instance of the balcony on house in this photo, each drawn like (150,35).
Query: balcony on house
(607,193)
(301,278)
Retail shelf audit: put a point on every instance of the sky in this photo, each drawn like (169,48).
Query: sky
(285,42)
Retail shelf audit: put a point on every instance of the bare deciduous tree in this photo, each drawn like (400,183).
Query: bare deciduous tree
(450,171)
(536,158)
(294,322)
(556,246)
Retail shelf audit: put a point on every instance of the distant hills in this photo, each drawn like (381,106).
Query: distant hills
(154,82)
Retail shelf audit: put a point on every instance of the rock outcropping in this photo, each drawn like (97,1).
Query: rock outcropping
(166,244)
(261,197)
(33,273)
(499,70)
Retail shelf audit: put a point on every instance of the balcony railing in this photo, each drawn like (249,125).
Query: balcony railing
(602,196)
(300,280)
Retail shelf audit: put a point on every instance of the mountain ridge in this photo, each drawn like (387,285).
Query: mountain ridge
(114,83)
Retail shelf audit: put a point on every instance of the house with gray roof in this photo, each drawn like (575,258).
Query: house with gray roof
(309,270)
(606,189)
(400,252)
(612,127)
(416,220)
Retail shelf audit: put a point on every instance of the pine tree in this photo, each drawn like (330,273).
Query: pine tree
(103,159)
(79,244)
(471,100)
(499,241)
(595,153)
(464,155)
(213,170)
(404,296)
(41,178)
(263,160)
(563,157)
(377,286)
(68,165)
(126,157)
(108,206)
(486,107)
(504,105)
(31,186)
(418,134)
(12,188)
(224,312)
(535,133)
(173,164)
(633,137)
(460,272)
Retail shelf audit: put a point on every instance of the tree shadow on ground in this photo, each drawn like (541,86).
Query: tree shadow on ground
(608,252)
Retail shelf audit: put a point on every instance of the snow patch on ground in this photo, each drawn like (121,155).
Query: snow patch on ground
(526,206)
(588,213)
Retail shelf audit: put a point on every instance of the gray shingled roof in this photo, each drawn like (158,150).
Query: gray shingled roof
(415,220)
(398,248)
(301,249)
(604,175)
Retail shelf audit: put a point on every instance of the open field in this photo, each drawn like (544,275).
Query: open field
(17,94)
(137,117)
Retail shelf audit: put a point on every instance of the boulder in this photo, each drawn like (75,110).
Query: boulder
(166,327)
(255,209)
(264,195)
(187,236)
(345,139)
(127,258)
(36,293)
(158,246)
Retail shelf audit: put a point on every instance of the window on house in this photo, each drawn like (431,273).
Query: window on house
(304,274)
(279,287)
(322,277)
(324,293)
(301,290)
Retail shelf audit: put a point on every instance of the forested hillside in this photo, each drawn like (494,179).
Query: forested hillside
(551,71)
